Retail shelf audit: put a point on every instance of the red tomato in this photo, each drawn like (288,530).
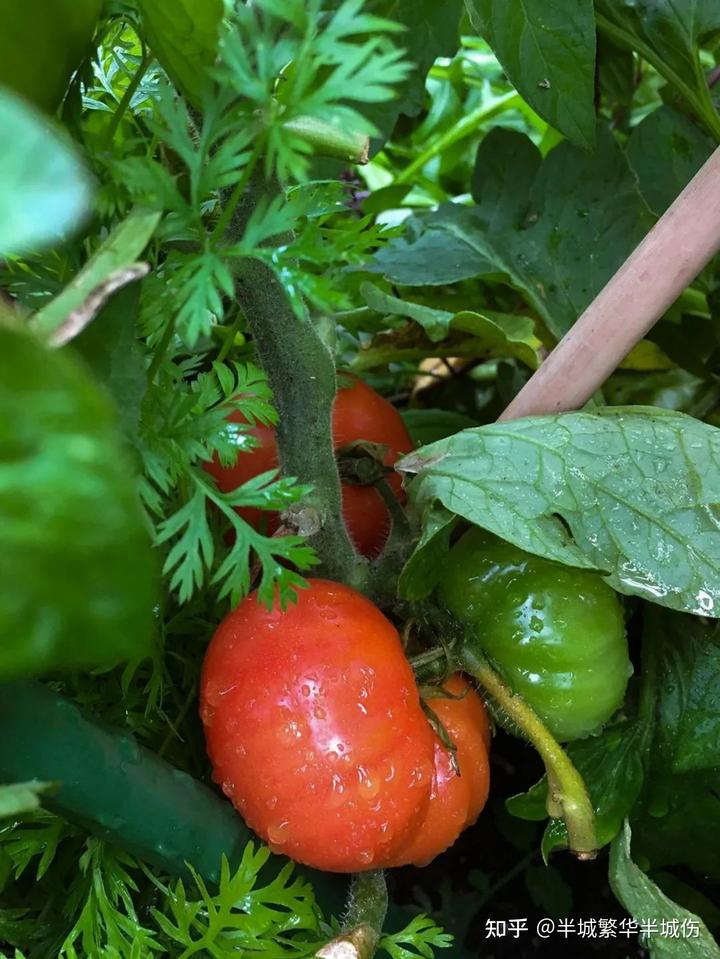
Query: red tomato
(314,728)
(359,413)
(456,801)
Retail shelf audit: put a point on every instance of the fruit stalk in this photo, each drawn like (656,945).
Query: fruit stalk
(362,928)
(567,795)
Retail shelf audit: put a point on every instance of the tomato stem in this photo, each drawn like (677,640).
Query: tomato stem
(366,910)
(567,795)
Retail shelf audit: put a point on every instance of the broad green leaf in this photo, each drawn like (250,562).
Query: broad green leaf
(658,915)
(631,491)
(77,574)
(18,798)
(548,53)
(686,677)
(119,251)
(184,36)
(111,348)
(436,323)
(42,43)
(422,571)
(611,765)
(44,188)
(666,150)
(668,35)
(556,229)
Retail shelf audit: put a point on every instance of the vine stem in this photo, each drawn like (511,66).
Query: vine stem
(681,243)
(567,795)
(362,928)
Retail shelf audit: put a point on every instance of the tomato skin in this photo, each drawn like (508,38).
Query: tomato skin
(456,801)
(359,413)
(314,728)
(555,633)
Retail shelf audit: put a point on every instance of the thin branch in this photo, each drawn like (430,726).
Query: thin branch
(681,243)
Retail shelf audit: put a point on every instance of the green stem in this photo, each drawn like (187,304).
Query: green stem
(161,349)
(229,340)
(328,140)
(463,128)
(362,927)
(128,95)
(301,372)
(567,795)
(700,100)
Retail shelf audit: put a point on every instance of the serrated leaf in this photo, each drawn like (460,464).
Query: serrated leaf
(630,491)
(548,53)
(557,229)
(44,188)
(76,571)
(650,907)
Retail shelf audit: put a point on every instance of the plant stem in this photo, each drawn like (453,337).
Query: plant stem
(362,928)
(567,796)
(128,95)
(463,128)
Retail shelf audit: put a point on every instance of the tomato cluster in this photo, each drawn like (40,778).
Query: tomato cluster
(359,413)
(556,634)
(316,733)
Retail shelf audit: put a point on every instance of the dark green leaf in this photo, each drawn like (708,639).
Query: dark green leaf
(44,188)
(428,426)
(667,34)
(548,53)
(630,491)
(666,150)
(184,36)
(686,677)
(422,571)
(549,891)
(76,571)
(650,907)
(111,348)
(556,229)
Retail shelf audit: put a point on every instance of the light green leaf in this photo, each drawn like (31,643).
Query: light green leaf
(21,797)
(119,251)
(671,932)
(44,188)
(184,36)
(631,491)
(77,575)
(556,229)
(548,53)
(668,35)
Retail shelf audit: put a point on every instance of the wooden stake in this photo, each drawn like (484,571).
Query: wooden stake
(677,248)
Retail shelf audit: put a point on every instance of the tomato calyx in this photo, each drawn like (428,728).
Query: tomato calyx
(361,463)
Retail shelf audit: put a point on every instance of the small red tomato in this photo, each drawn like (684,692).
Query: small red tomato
(314,728)
(359,413)
(456,801)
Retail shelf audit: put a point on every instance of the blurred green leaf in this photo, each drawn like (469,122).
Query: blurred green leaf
(428,426)
(548,52)
(630,491)
(77,577)
(184,36)
(118,253)
(650,907)
(44,188)
(19,798)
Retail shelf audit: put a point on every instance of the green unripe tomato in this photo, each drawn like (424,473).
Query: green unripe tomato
(42,42)
(556,634)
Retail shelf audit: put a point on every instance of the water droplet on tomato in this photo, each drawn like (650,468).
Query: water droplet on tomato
(388,772)
(305,690)
(228,788)
(366,856)
(337,792)
(278,832)
(289,733)
(271,802)
(319,713)
(207,714)
(368,783)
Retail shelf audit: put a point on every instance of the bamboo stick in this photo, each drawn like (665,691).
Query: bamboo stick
(672,254)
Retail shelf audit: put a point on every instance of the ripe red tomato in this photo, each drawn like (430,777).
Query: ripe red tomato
(456,801)
(359,413)
(314,728)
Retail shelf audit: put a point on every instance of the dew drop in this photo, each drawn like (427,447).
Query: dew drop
(369,784)
(366,856)
(289,733)
(305,690)
(277,832)
(319,713)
